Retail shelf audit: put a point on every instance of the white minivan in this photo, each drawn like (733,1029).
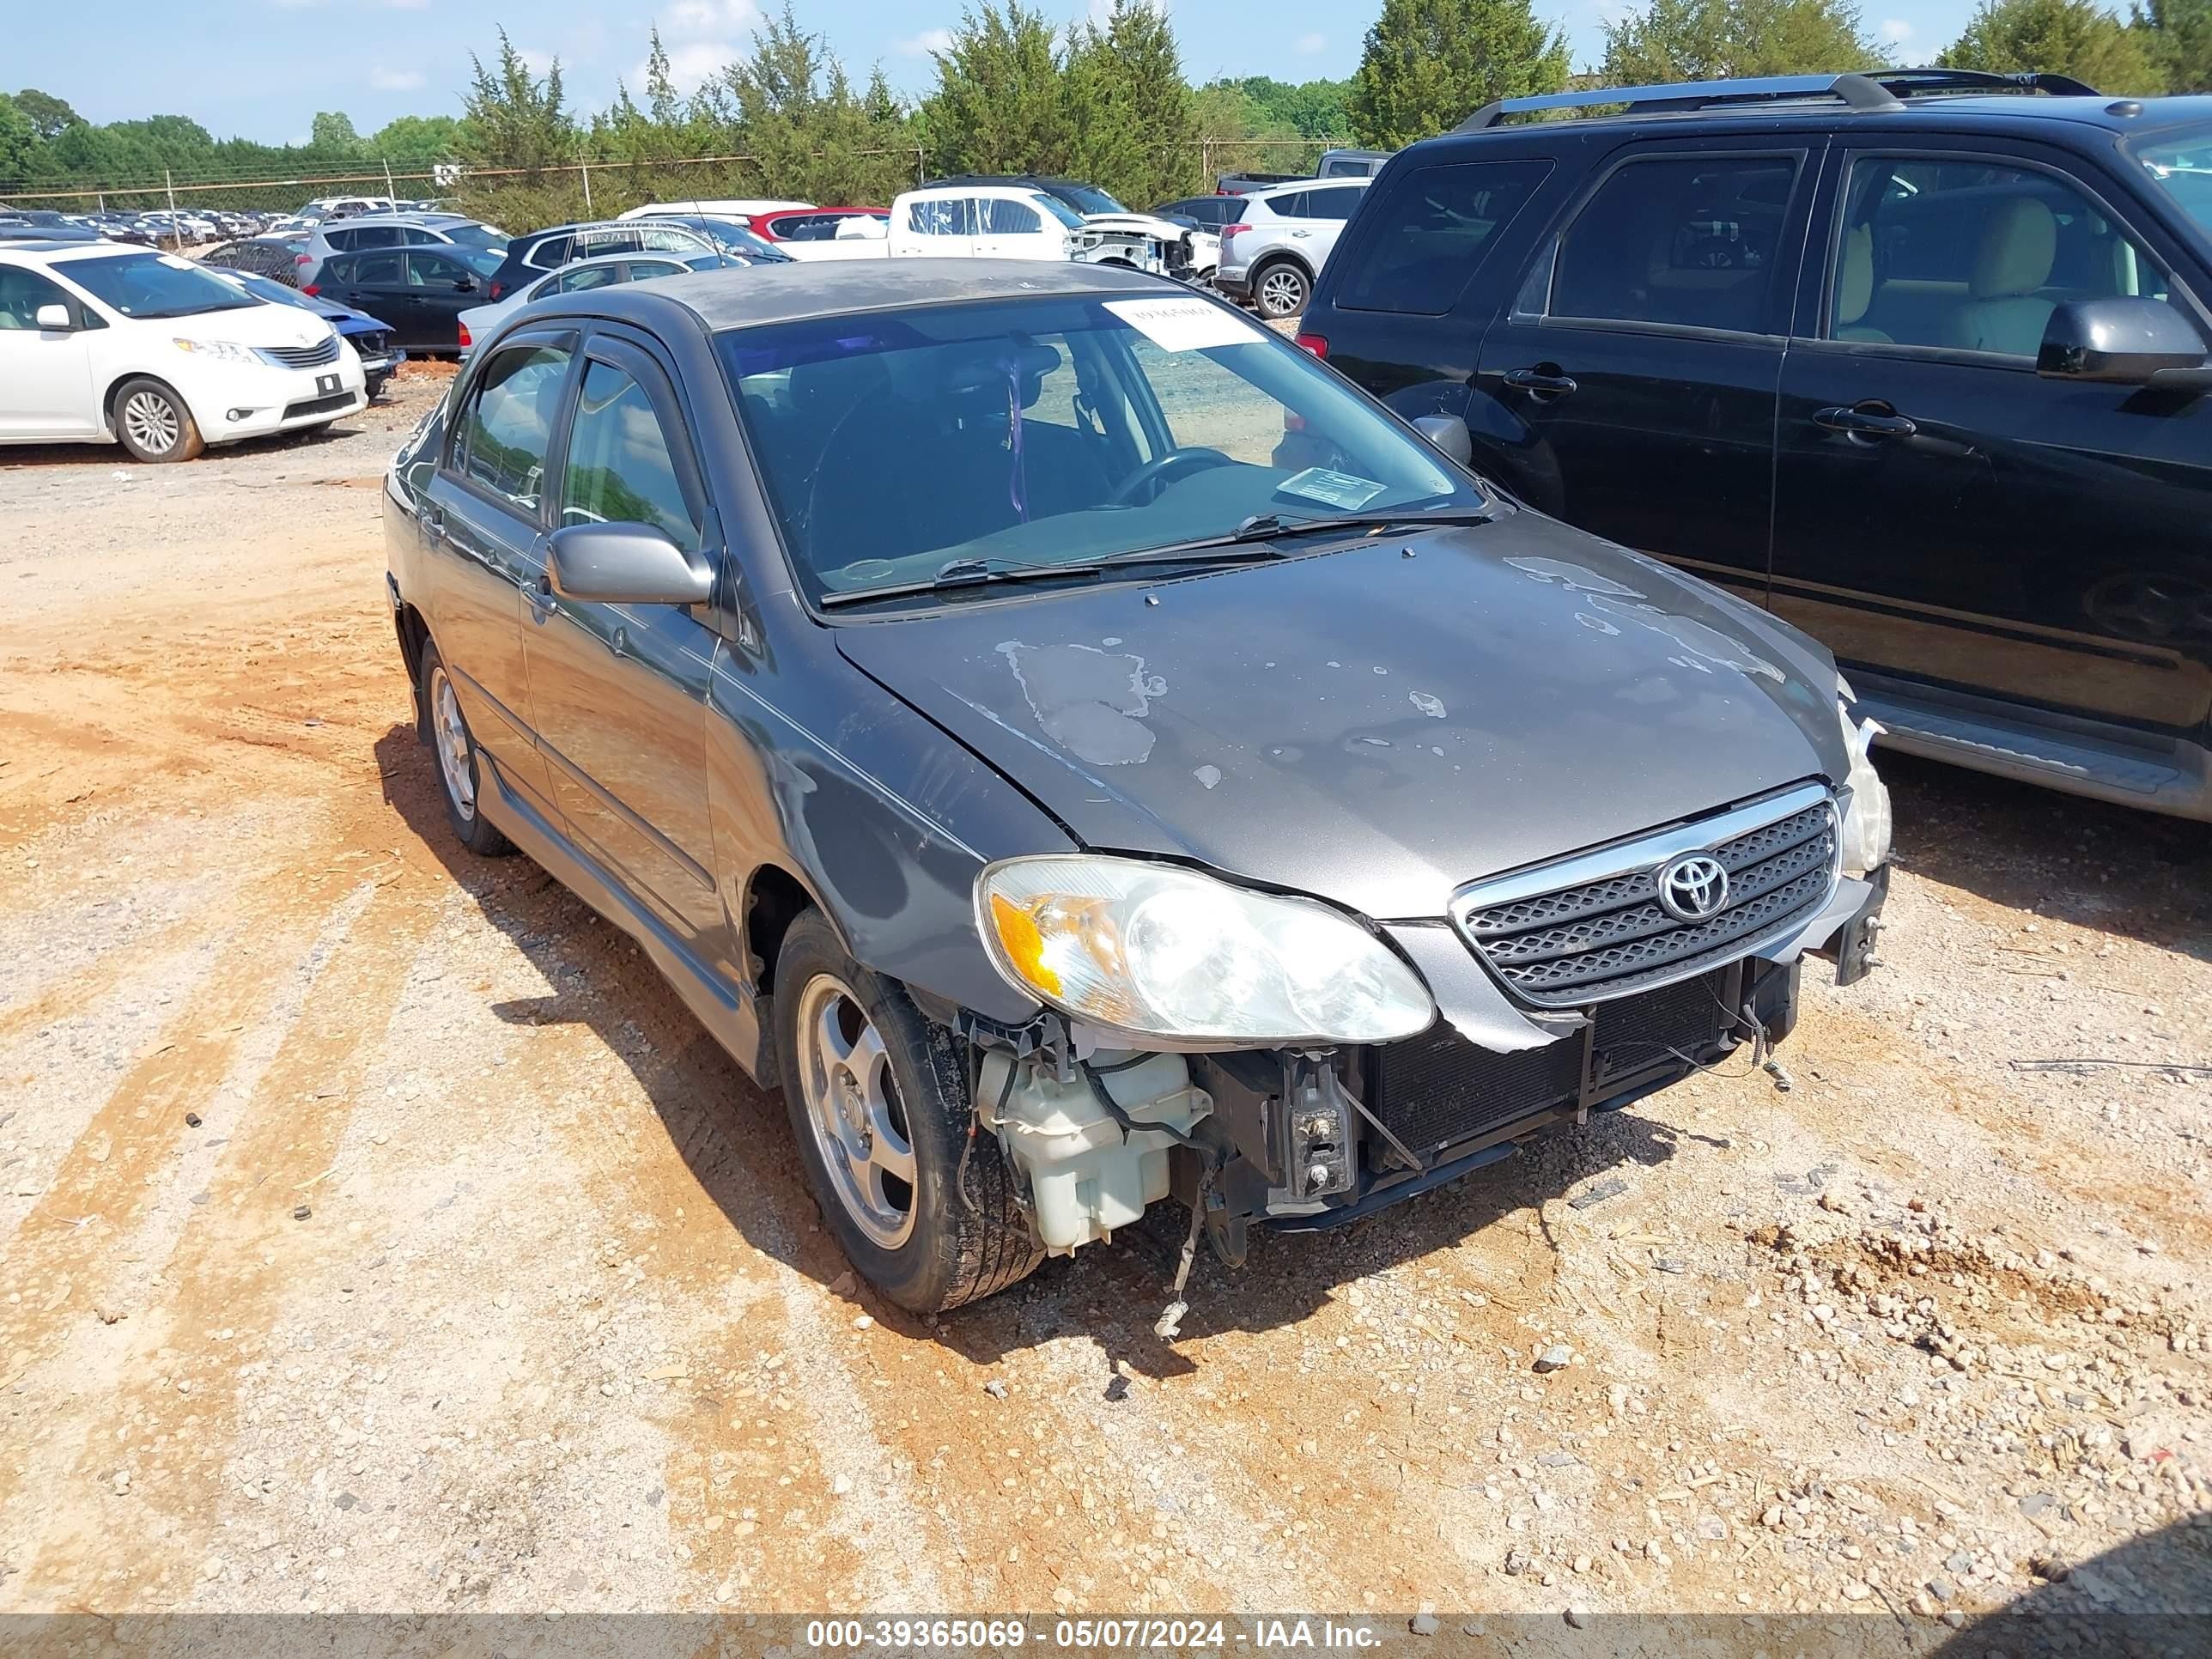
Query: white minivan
(101,343)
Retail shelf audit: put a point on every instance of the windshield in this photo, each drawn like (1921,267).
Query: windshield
(1059,209)
(484,261)
(1091,199)
(1058,430)
(475,236)
(262,288)
(149,284)
(2183,165)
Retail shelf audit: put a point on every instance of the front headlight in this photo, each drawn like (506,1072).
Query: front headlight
(1865,842)
(1159,951)
(221,351)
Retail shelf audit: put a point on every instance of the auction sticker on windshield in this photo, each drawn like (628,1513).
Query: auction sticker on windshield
(1184,325)
(1339,489)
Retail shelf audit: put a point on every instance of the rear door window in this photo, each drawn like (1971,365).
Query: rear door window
(1691,242)
(1340,203)
(1437,226)
(374,271)
(502,444)
(1002,217)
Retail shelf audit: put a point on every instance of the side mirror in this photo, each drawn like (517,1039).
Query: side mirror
(1450,435)
(54,320)
(2124,341)
(625,564)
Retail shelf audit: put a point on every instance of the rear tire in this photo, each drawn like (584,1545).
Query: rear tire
(461,780)
(153,423)
(874,1089)
(1281,290)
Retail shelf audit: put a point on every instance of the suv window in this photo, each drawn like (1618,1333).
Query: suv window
(550,253)
(1338,203)
(502,444)
(1439,223)
(1969,256)
(1004,218)
(1291,205)
(584,276)
(426,269)
(341,240)
(372,268)
(1690,241)
(619,469)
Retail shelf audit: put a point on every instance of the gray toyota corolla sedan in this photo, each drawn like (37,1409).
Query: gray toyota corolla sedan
(1086,753)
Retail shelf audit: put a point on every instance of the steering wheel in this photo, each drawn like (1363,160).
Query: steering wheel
(1156,471)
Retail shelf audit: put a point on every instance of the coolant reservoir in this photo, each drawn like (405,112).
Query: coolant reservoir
(1087,1177)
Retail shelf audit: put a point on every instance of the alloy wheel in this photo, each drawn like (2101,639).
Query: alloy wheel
(451,733)
(151,421)
(1282,292)
(853,1105)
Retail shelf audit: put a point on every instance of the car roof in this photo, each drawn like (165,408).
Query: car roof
(800,291)
(1296,185)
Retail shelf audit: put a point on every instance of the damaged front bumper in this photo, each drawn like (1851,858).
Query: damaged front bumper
(1302,1139)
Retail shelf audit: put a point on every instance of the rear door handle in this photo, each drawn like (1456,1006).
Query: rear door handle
(1534,379)
(1864,423)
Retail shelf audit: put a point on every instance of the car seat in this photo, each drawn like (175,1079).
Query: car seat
(1855,288)
(2003,312)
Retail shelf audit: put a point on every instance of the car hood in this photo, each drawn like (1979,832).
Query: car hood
(1379,726)
(264,323)
(1145,224)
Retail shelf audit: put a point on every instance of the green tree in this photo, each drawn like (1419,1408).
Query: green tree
(1131,127)
(2069,37)
(790,104)
(2178,36)
(1312,109)
(1431,63)
(516,119)
(999,103)
(1717,40)
(50,117)
(416,143)
(331,138)
(19,143)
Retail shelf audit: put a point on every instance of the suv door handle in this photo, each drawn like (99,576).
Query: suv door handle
(1867,421)
(434,522)
(1534,379)
(542,605)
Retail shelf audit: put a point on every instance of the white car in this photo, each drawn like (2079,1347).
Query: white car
(1282,238)
(105,344)
(603,272)
(719,207)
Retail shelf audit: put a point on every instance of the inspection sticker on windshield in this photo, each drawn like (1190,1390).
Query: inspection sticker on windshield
(1184,325)
(1318,483)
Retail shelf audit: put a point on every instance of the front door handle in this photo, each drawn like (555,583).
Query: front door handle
(1865,420)
(434,522)
(542,605)
(1537,381)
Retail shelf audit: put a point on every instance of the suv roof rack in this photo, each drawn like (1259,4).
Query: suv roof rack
(1870,92)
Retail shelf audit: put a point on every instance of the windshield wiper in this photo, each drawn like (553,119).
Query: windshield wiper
(960,572)
(1253,539)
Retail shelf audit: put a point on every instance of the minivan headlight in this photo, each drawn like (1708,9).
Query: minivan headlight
(1156,950)
(221,351)
(1864,840)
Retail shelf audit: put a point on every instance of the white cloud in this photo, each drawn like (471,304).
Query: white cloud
(922,45)
(1895,30)
(691,64)
(385,79)
(1307,45)
(406,5)
(536,59)
(712,17)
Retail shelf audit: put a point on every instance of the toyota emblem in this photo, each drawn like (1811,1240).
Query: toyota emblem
(1694,887)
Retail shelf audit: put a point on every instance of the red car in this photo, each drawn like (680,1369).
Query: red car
(814,224)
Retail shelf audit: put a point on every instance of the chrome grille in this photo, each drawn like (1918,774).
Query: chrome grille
(313,356)
(1592,928)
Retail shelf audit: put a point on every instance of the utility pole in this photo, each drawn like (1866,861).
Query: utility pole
(169,183)
(390,194)
(586,169)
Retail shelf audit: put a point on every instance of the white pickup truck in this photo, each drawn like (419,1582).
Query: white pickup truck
(1018,221)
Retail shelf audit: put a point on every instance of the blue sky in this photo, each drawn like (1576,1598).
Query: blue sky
(261,68)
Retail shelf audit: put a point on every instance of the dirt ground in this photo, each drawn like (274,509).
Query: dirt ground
(377,1232)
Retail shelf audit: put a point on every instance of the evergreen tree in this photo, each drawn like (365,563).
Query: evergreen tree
(1131,127)
(1431,63)
(515,119)
(2177,36)
(1717,40)
(2068,37)
(998,105)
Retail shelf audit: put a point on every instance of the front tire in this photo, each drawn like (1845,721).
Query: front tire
(153,423)
(1281,290)
(460,779)
(879,1105)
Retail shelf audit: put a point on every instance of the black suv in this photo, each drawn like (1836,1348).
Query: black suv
(1916,359)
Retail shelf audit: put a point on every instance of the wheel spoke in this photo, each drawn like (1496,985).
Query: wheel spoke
(829,1032)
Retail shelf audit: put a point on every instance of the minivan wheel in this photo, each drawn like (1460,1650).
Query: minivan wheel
(879,1102)
(1281,290)
(153,423)
(461,780)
